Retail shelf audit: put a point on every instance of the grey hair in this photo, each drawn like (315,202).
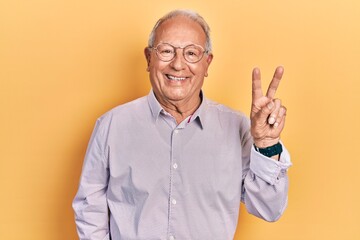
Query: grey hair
(186,13)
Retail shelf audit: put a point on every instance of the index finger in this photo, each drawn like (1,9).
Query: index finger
(274,84)
(256,84)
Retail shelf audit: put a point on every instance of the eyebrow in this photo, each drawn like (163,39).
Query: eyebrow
(181,46)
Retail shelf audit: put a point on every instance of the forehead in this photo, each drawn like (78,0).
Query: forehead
(180,31)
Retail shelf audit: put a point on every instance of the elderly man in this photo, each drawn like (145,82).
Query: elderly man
(175,165)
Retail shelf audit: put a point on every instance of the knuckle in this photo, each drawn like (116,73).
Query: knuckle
(278,101)
(265,111)
(256,107)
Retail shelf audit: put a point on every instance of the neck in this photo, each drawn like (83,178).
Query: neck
(180,110)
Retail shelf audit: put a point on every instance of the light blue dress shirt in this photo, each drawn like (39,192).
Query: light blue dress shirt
(147,178)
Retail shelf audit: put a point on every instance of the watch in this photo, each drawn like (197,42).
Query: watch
(270,151)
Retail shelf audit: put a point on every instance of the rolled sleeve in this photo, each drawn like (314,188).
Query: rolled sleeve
(268,169)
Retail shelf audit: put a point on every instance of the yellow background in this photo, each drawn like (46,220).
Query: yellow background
(64,63)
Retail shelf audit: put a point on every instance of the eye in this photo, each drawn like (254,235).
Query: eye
(166,51)
(192,52)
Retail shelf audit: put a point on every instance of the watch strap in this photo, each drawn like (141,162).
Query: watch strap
(270,151)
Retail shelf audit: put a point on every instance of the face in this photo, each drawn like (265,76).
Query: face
(178,81)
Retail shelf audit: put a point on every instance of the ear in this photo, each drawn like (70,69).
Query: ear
(147,53)
(209,59)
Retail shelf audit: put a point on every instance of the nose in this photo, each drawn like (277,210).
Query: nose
(178,63)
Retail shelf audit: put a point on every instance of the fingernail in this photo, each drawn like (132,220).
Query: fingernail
(271,120)
(270,105)
(276,125)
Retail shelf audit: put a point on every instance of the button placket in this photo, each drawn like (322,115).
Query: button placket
(173,201)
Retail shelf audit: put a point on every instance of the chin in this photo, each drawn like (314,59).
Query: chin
(176,97)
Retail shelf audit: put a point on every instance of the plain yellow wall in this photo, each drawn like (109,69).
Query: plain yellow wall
(64,63)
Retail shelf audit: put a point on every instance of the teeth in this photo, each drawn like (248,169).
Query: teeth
(176,78)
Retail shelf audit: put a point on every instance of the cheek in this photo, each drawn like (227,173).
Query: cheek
(199,71)
(157,67)
(156,74)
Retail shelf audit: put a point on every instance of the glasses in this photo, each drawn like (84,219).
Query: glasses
(167,52)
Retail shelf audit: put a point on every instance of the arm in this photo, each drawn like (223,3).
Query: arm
(90,205)
(265,183)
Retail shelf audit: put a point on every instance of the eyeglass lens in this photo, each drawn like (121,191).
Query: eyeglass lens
(167,52)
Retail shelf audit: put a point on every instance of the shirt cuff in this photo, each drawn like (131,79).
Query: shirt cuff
(269,169)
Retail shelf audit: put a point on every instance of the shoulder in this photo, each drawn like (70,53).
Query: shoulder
(223,111)
(127,108)
(229,120)
(126,112)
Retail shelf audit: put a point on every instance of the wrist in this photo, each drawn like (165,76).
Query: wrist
(272,151)
(265,143)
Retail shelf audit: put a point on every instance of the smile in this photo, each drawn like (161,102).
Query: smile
(175,78)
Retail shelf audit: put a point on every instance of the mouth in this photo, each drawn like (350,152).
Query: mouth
(174,78)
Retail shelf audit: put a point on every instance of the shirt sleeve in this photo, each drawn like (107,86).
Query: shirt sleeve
(90,204)
(265,180)
(267,168)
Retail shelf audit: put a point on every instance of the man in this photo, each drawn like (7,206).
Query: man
(175,165)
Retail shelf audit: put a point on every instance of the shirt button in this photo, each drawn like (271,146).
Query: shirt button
(171,238)
(176,131)
(175,166)
(173,201)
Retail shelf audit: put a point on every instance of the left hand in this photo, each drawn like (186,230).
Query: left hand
(267,114)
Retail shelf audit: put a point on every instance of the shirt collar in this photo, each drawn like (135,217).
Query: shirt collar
(199,114)
(154,105)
